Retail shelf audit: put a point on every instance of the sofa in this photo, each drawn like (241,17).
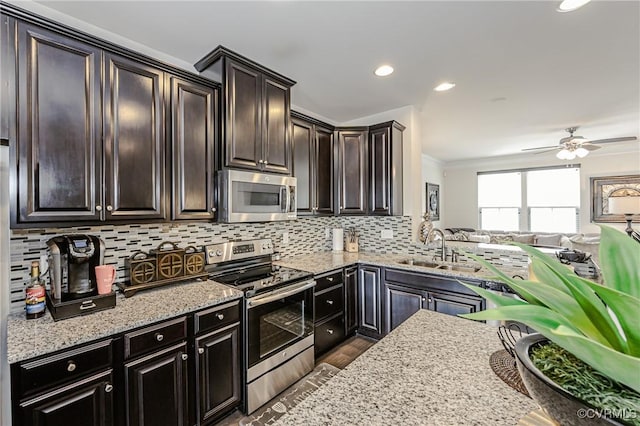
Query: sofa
(541,239)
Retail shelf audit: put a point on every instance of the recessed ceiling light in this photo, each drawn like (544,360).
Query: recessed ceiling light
(383,70)
(571,5)
(444,86)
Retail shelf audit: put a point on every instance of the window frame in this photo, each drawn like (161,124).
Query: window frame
(524,220)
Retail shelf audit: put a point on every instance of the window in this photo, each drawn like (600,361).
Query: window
(548,197)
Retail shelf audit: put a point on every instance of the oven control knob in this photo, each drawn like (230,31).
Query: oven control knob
(218,252)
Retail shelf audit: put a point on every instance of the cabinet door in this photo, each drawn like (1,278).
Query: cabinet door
(452,304)
(276,141)
(134,140)
(58,156)
(324,171)
(193,145)
(352,174)
(351,300)
(218,372)
(379,151)
(156,388)
(87,402)
(400,303)
(302,165)
(243,129)
(369,292)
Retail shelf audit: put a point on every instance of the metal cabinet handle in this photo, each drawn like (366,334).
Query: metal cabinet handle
(424,299)
(266,162)
(213,209)
(340,207)
(330,331)
(109,208)
(71,366)
(185,357)
(200,351)
(385,207)
(330,278)
(220,316)
(329,302)
(108,388)
(87,304)
(159,337)
(98,208)
(261,161)
(430,300)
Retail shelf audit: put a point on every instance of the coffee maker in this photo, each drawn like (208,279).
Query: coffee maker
(72,262)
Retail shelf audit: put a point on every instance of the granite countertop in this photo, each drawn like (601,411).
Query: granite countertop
(318,263)
(431,370)
(30,338)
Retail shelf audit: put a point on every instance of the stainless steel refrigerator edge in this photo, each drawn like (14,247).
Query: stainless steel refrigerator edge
(5,406)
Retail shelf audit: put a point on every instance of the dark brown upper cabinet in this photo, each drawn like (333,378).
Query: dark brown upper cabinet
(255,112)
(193,142)
(59,144)
(92,128)
(352,170)
(313,168)
(134,140)
(385,168)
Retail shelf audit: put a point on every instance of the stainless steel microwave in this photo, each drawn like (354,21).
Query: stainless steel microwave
(256,197)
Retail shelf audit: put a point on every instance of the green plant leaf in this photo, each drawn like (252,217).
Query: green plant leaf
(544,275)
(496,298)
(620,259)
(536,317)
(593,307)
(626,308)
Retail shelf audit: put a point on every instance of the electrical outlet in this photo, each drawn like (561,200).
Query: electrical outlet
(386,234)
(285,238)
(327,233)
(44,263)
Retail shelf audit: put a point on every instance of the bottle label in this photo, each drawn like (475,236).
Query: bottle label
(35,300)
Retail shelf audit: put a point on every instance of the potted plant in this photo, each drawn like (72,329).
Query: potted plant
(589,333)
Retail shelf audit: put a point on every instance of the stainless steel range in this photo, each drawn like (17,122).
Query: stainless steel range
(278,322)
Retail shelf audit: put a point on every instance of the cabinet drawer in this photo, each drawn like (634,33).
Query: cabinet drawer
(216,317)
(329,303)
(64,367)
(154,337)
(326,281)
(329,334)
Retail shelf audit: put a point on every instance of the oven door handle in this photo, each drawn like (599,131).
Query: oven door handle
(279,294)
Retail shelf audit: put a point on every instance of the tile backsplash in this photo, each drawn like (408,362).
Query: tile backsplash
(305,235)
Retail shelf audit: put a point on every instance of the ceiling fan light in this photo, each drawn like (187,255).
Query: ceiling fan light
(570,155)
(562,154)
(581,152)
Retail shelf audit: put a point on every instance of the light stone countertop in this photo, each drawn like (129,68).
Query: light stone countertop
(31,338)
(431,370)
(319,263)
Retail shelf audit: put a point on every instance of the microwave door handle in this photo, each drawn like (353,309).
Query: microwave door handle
(284,199)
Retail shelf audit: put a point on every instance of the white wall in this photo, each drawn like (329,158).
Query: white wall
(412,183)
(461,194)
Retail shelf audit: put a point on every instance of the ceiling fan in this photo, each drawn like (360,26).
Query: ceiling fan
(572,146)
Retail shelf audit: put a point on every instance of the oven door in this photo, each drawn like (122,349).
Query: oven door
(278,320)
(252,197)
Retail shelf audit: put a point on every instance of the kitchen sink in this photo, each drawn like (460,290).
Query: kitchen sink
(443,266)
(459,268)
(424,263)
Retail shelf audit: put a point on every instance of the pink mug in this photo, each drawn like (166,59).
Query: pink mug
(105,276)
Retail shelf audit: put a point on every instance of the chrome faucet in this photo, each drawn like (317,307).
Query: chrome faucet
(443,247)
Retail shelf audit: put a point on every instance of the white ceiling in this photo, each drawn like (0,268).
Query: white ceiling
(524,72)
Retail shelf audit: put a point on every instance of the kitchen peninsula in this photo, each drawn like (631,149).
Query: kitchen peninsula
(431,370)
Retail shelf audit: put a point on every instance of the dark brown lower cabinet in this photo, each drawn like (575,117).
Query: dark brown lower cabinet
(452,304)
(370,302)
(402,302)
(87,402)
(351,300)
(217,372)
(156,388)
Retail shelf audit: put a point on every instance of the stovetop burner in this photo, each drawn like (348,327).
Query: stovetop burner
(236,264)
